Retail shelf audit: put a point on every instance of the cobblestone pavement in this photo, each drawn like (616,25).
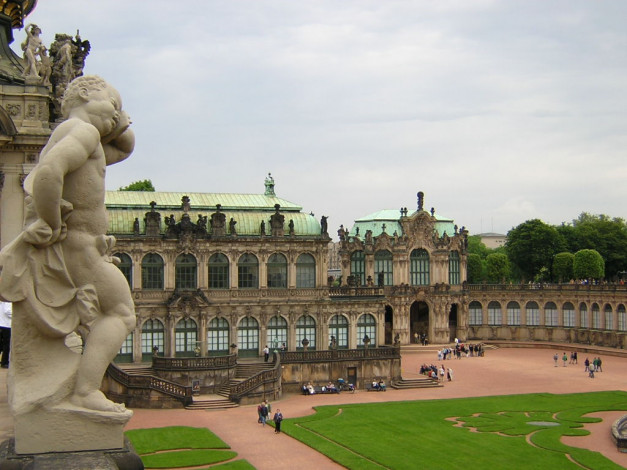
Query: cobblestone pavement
(500,372)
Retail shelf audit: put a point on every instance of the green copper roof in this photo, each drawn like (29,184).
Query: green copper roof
(391,217)
(248,210)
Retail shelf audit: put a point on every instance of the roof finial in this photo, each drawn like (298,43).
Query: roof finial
(421,197)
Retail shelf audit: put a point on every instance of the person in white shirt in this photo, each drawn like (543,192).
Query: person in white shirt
(5,333)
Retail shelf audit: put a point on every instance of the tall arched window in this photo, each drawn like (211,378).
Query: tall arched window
(609,320)
(358,269)
(277,271)
(248,337)
(152,335)
(475,313)
(513,314)
(126,266)
(306,329)
(583,316)
(622,318)
(152,272)
(495,315)
(533,314)
(185,272)
(383,264)
(218,337)
(126,351)
(596,317)
(419,268)
(218,271)
(453,268)
(248,272)
(305,271)
(338,327)
(185,338)
(568,310)
(366,327)
(550,314)
(277,333)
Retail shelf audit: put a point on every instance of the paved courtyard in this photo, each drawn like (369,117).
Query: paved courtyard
(500,372)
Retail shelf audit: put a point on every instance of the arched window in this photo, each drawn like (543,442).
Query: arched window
(495,315)
(185,338)
(218,337)
(419,268)
(453,268)
(152,272)
(475,313)
(583,316)
(277,271)
(152,335)
(306,329)
(126,351)
(305,271)
(126,266)
(338,327)
(622,318)
(218,271)
(366,328)
(550,314)
(358,269)
(185,272)
(513,314)
(248,337)
(277,333)
(568,310)
(248,272)
(596,317)
(609,320)
(533,314)
(383,264)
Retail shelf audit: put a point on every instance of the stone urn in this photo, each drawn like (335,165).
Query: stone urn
(305,343)
(366,341)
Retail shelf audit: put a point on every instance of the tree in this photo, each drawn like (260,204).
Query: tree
(563,267)
(476,246)
(497,268)
(531,246)
(474,267)
(142,185)
(604,234)
(588,264)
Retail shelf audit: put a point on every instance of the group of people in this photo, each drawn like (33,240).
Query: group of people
(264,411)
(594,366)
(310,389)
(459,350)
(379,385)
(436,372)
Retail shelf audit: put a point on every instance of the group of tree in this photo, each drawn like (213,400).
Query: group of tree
(141,185)
(591,247)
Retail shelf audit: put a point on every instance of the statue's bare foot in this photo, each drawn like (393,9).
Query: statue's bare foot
(97,401)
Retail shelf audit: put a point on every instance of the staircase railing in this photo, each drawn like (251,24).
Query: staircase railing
(181,392)
(267,376)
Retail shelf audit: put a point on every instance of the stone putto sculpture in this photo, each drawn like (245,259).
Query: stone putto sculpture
(65,289)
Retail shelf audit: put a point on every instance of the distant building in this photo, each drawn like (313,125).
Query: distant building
(493,240)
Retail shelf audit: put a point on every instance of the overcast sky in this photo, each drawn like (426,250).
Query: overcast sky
(499,111)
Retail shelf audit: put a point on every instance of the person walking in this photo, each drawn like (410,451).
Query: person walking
(266,353)
(6,309)
(555,358)
(564,358)
(278,417)
(263,413)
(587,364)
(599,362)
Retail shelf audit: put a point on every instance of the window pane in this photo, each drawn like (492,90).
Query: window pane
(383,265)
(218,271)
(248,272)
(305,271)
(152,271)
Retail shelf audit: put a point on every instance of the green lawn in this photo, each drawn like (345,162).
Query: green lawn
(181,446)
(420,434)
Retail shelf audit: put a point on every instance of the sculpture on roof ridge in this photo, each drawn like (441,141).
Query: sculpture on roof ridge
(269,182)
(32,48)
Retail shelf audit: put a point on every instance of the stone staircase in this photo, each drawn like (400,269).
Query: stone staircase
(243,371)
(211,402)
(420,382)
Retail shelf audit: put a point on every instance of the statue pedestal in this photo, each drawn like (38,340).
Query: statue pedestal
(67,428)
(118,459)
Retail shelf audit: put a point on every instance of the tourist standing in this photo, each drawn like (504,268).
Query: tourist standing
(263,413)
(555,358)
(587,364)
(278,417)
(266,353)
(599,369)
(564,358)
(6,309)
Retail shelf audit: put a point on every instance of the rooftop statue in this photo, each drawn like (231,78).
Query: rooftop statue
(32,47)
(65,289)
